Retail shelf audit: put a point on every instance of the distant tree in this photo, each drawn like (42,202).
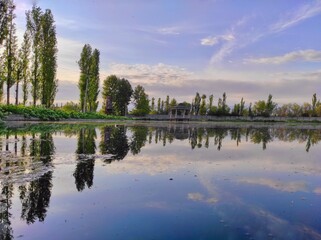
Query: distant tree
(141,101)
(259,108)
(211,98)
(203,105)
(222,108)
(172,103)
(167,104)
(314,101)
(120,92)
(242,104)
(162,107)
(153,104)
(262,108)
(306,109)
(270,106)
(159,106)
(197,103)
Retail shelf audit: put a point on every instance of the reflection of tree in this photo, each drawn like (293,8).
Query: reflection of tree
(261,136)
(114,143)
(84,172)
(35,196)
(313,138)
(236,135)
(219,135)
(6,202)
(139,138)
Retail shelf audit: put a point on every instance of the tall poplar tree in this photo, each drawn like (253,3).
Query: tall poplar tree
(89,78)
(93,85)
(10,51)
(83,84)
(4,11)
(34,29)
(24,56)
(48,59)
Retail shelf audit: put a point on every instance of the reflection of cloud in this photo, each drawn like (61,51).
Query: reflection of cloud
(195,196)
(198,197)
(309,55)
(294,186)
(157,205)
(317,191)
(212,200)
(152,165)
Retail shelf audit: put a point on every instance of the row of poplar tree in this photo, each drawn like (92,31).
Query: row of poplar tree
(34,63)
(116,90)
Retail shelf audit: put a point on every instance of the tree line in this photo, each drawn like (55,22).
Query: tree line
(34,63)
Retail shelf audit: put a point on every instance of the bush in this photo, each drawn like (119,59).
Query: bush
(47,114)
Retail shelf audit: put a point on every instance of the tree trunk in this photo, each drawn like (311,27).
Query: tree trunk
(17,92)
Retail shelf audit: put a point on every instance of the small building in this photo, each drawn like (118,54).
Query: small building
(181,112)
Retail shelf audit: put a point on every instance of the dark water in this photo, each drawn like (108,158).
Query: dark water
(160,181)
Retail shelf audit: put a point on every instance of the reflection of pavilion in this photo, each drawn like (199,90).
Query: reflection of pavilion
(180,132)
(180,112)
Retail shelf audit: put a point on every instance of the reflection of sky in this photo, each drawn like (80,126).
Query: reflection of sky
(235,193)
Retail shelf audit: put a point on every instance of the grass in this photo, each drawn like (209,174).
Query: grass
(46,114)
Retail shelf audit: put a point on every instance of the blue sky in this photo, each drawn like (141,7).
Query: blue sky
(177,47)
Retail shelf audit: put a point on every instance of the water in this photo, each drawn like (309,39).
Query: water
(160,181)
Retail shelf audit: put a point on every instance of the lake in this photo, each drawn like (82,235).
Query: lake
(160,181)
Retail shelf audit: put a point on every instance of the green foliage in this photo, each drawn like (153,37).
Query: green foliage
(48,59)
(203,106)
(141,102)
(265,109)
(71,106)
(10,50)
(4,7)
(89,78)
(47,114)
(34,30)
(119,91)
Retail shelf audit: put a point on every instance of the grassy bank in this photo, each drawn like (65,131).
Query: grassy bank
(46,114)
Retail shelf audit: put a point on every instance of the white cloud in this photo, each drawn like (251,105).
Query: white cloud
(151,74)
(232,40)
(168,31)
(292,18)
(309,55)
(211,41)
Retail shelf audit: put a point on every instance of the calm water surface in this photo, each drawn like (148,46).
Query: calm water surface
(160,181)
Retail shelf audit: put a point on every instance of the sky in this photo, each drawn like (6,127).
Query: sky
(245,48)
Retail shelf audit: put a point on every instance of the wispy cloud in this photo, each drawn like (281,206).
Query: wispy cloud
(244,37)
(309,55)
(231,41)
(292,18)
(211,41)
(168,31)
(151,74)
